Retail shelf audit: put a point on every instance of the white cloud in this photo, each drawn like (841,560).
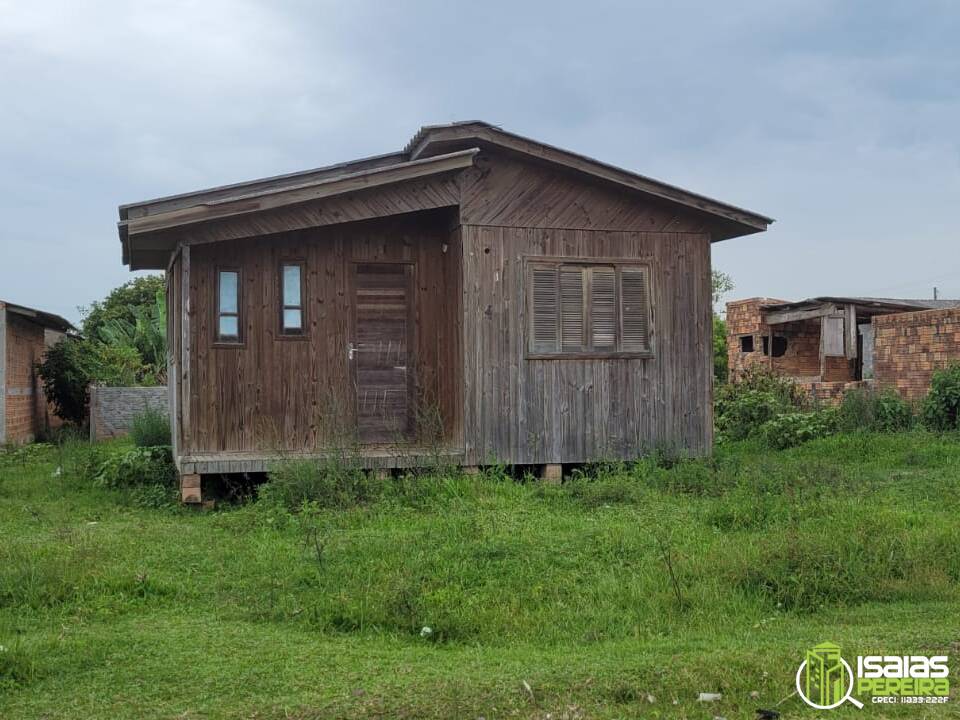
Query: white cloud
(837,118)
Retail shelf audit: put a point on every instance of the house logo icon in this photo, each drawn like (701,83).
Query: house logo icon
(825,679)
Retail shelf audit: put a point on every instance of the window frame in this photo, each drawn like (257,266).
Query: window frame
(218,339)
(283,333)
(617,264)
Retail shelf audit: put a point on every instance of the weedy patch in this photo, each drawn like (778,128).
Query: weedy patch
(439,595)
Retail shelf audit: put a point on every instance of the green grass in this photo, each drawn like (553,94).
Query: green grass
(108,610)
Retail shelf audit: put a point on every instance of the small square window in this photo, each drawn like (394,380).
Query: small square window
(746,343)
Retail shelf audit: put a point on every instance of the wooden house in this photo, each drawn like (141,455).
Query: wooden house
(25,335)
(477,294)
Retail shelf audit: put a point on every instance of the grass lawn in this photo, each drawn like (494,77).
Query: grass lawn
(541,601)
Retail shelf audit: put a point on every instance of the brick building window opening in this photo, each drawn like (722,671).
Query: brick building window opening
(779,346)
(746,343)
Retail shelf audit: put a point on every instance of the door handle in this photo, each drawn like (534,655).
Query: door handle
(351,350)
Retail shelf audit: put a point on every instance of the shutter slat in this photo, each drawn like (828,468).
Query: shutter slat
(544,309)
(634,310)
(603,309)
(571,309)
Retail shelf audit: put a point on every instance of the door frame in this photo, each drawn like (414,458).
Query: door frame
(412,337)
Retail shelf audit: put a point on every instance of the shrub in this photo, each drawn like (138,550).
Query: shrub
(941,407)
(758,397)
(796,428)
(867,409)
(720,359)
(150,428)
(333,482)
(66,372)
(137,467)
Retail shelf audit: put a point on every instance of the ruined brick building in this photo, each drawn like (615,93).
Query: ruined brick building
(25,334)
(830,344)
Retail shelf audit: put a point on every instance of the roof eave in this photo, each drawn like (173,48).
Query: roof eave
(131,229)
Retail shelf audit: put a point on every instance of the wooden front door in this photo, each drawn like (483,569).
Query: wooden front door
(380,351)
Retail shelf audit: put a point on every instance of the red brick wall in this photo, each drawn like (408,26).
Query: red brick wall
(801,360)
(802,357)
(743,318)
(908,347)
(25,403)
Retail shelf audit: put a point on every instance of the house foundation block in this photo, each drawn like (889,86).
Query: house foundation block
(190,492)
(552,473)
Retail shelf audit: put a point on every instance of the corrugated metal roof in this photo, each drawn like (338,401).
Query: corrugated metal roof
(40,317)
(879,303)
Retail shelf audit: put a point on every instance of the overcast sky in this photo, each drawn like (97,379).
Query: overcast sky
(839,119)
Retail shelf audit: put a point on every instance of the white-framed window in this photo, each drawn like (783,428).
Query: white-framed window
(228,305)
(291,298)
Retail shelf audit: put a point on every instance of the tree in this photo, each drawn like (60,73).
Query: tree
(124,343)
(720,360)
(721,284)
(145,337)
(66,371)
(121,304)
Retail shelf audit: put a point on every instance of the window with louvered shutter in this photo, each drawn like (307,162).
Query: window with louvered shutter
(544,309)
(572,325)
(588,309)
(603,309)
(634,310)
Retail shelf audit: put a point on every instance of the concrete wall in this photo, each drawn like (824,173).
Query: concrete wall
(112,409)
(909,347)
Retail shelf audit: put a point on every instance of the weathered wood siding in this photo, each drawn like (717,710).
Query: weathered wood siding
(175,348)
(520,410)
(280,393)
(276,393)
(508,192)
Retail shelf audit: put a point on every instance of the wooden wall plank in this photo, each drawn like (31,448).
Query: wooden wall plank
(412,196)
(521,410)
(287,394)
(505,191)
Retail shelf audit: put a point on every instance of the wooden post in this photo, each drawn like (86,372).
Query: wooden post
(185,437)
(470,470)
(823,357)
(770,345)
(190,492)
(381,473)
(552,473)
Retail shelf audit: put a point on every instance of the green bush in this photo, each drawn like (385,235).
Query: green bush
(720,359)
(868,409)
(150,428)
(140,466)
(334,482)
(796,428)
(743,407)
(941,407)
(66,372)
